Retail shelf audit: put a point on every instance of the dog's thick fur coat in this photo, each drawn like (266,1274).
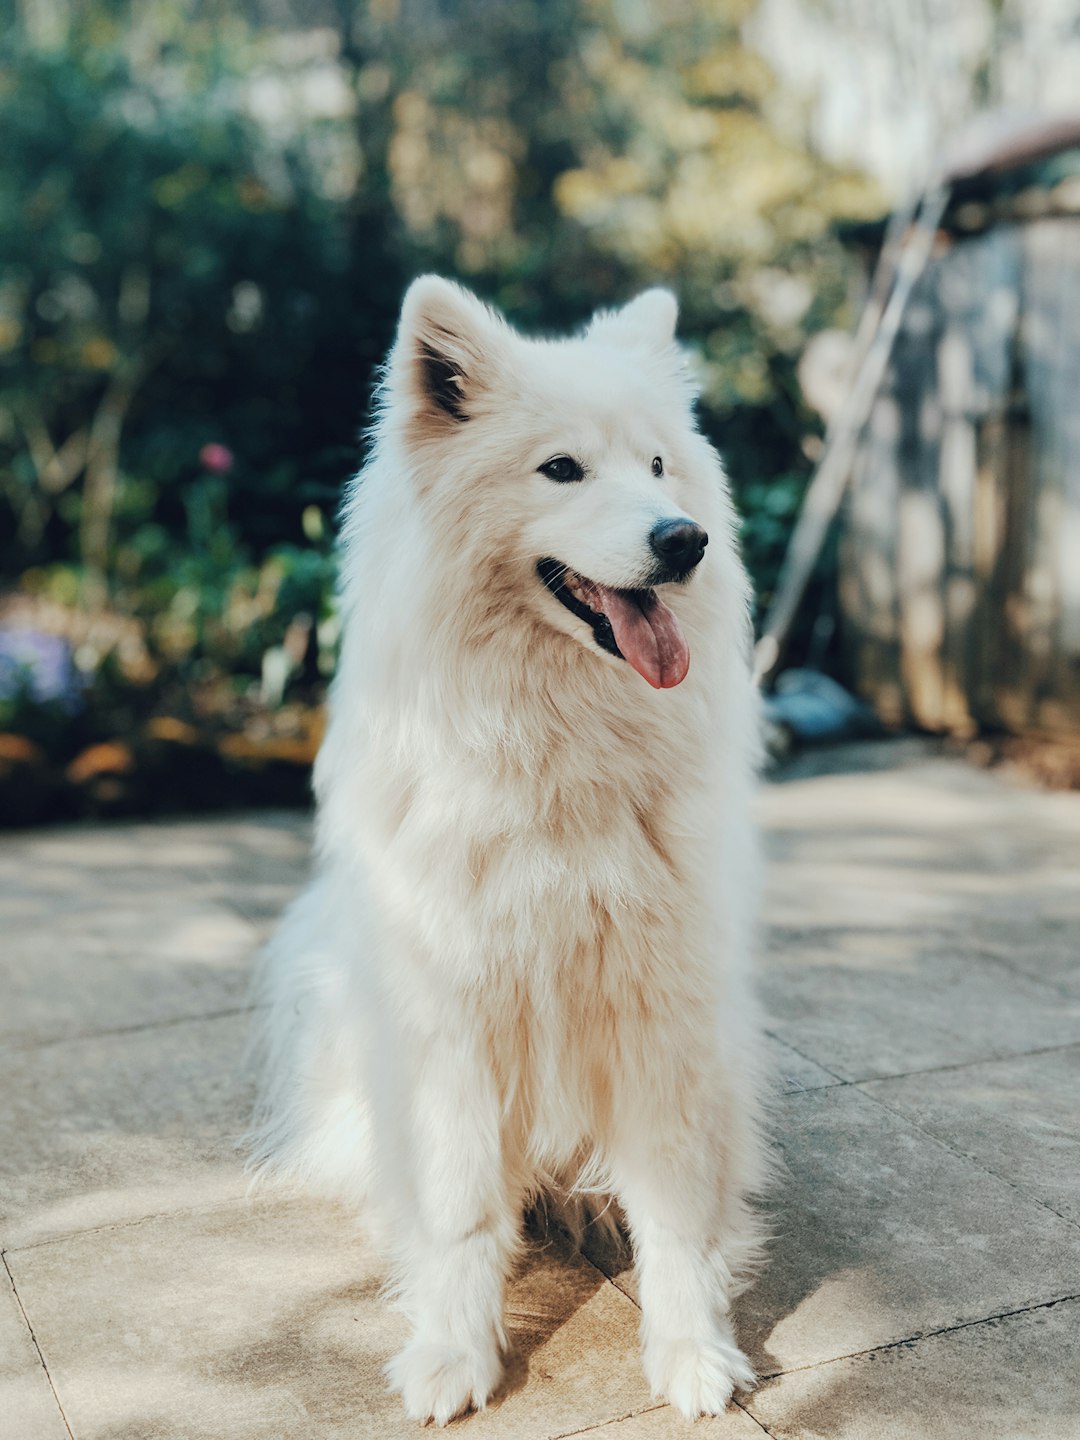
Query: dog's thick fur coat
(521,967)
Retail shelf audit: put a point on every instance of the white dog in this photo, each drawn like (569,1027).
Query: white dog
(520,971)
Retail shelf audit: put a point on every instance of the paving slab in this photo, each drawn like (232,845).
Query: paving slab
(869,1005)
(918,917)
(111,1128)
(71,868)
(930,841)
(1036,934)
(40,892)
(792,1071)
(923,969)
(882,1233)
(1014,1378)
(26,1398)
(254,863)
(260,1321)
(1019,1118)
(122,967)
(105,930)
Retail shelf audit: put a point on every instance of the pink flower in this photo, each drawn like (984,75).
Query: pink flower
(218,459)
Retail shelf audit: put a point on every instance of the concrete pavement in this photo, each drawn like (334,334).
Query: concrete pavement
(922,973)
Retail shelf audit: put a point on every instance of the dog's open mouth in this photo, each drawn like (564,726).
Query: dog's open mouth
(636,625)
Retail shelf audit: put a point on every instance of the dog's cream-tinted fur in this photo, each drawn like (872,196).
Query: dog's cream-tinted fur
(521,967)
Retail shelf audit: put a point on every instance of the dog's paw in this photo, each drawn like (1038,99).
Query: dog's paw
(438,1381)
(696,1377)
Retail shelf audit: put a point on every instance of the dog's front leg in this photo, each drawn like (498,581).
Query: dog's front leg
(455,1254)
(669,1179)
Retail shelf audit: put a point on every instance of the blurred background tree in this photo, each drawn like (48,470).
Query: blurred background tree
(208,214)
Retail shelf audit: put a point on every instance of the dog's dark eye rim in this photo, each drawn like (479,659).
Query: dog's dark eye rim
(657,466)
(563,468)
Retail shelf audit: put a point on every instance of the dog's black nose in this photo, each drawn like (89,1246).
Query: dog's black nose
(678,544)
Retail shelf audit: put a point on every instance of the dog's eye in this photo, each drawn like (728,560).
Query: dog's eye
(657,466)
(562,468)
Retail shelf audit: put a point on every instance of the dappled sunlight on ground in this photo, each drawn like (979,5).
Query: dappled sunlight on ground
(923,987)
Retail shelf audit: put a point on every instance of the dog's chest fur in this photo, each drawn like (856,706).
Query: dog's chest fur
(559,896)
(468,846)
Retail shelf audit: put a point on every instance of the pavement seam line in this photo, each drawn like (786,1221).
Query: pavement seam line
(25,1047)
(211,1209)
(1057,988)
(758,1422)
(925,1335)
(601,1424)
(937,1069)
(838,1079)
(34,1342)
(969,1159)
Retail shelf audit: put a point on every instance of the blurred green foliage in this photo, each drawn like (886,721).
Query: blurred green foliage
(206,225)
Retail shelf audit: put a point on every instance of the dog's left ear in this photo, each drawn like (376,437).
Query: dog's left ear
(446,344)
(648,320)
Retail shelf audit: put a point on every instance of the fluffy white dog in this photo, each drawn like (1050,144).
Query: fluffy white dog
(521,968)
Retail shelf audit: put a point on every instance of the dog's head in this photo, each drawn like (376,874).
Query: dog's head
(569,463)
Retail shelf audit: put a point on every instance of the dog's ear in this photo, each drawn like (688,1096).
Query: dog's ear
(648,320)
(445,347)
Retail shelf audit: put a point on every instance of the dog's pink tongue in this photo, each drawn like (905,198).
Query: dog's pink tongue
(648,635)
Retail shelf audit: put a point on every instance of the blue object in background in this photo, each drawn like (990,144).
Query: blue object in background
(815,709)
(38,666)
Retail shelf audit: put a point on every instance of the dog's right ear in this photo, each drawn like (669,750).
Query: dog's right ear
(443,352)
